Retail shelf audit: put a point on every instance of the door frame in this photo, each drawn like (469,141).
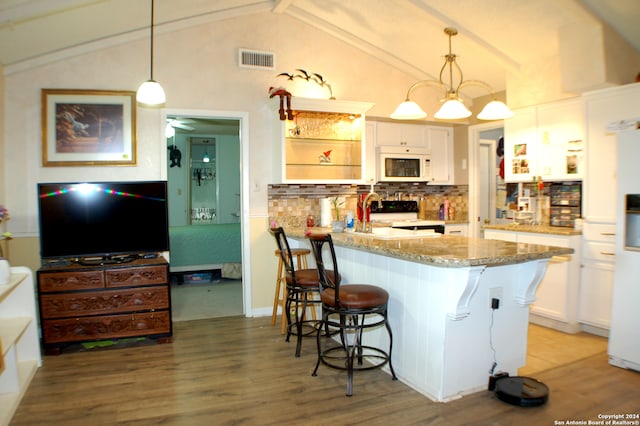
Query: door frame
(474,175)
(243,118)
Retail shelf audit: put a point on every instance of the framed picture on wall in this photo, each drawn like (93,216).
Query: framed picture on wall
(88,128)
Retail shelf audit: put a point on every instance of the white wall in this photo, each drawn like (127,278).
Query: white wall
(198,70)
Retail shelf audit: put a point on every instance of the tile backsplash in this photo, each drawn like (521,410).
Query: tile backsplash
(289,205)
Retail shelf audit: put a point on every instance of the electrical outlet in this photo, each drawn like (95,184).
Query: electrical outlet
(495,293)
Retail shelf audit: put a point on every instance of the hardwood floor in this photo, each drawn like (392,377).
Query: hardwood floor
(239,370)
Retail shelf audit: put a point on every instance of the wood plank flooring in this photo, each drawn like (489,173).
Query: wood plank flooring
(239,371)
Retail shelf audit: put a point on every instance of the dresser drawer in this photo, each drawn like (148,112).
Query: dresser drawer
(107,301)
(104,327)
(144,275)
(65,281)
(602,252)
(604,232)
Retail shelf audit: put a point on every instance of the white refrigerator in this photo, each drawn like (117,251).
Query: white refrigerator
(624,334)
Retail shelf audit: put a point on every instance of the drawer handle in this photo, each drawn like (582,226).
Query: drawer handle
(608,234)
(606,253)
(455,232)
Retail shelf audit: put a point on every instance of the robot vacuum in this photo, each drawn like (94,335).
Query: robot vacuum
(521,391)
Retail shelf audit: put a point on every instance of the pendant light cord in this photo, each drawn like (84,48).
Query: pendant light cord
(151,59)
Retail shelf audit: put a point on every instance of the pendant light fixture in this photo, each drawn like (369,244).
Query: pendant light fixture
(453,107)
(150,92)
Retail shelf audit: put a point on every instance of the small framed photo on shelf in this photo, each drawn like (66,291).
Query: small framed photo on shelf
(88,128)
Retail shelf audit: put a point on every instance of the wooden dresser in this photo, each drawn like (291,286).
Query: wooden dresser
(95,302)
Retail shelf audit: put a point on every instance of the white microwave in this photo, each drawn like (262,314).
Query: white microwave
(403,164)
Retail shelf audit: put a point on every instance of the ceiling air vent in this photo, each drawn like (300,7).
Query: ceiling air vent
(256,59)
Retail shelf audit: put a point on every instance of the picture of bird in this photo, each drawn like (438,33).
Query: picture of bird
(79,129)
(325,157)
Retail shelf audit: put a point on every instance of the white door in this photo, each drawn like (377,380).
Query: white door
(487,182)
(483,162)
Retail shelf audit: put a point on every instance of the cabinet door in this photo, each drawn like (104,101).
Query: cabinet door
(561,140)
(556,295)
(551,296)
(602,108)
(441,142)
(520,140)
(370,152)
(596,288)
(401,134)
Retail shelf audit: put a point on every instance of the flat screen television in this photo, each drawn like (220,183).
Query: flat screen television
(103,219)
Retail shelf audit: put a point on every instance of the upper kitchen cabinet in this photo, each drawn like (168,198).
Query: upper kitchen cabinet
(603,107)
(520,145)
(546,140)
(440,141)
(323,143)
(405,135)
(561,140)
(435,141)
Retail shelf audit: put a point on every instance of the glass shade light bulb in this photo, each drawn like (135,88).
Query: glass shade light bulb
(151,93)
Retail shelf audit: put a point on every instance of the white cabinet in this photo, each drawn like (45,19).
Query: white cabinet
(370,152)
(436,140)
(520,141)
(561,140)
(547,140)
(601,108)
(556,302)
(597,273)
(401,134)
(458,229)
(19,340)
(440,140)
(324,143)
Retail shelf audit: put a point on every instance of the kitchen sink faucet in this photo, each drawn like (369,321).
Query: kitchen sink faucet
(366,223)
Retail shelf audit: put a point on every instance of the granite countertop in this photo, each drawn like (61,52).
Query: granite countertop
(443,251)
(536,229)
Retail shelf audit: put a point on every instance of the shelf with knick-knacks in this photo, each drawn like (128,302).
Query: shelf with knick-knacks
(324,142)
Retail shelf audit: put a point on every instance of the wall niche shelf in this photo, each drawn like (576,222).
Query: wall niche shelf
(324,142)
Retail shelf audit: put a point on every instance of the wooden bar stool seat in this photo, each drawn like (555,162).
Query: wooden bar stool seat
(280,297)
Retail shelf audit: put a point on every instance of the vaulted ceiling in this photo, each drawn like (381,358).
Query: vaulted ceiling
(494,35)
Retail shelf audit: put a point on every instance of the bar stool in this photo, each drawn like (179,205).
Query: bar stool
(302,289)
(281,284)
(348,310)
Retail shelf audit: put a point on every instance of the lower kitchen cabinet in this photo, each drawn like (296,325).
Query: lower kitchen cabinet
(83,303)
(595,294)
(557,297)
(598,264)
(459,229)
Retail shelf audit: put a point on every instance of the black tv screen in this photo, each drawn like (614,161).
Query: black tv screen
(102,218)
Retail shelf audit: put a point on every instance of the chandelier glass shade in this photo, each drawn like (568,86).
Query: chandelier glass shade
(452,108)
(151,92)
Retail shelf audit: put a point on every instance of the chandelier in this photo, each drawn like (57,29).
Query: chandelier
(452,107)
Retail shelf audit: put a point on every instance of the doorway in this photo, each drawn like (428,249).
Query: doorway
(206,151)
(486,187)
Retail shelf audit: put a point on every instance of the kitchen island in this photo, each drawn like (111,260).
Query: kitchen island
(447,338)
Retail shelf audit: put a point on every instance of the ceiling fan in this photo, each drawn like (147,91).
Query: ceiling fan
(180,123)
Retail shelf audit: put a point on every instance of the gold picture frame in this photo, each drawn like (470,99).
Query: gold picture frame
(88,128)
